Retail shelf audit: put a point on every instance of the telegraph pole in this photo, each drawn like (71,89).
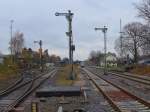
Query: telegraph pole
(69,16)
(104,30)
(121,44)
(11,36)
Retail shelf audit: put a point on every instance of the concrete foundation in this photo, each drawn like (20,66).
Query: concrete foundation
(59,91)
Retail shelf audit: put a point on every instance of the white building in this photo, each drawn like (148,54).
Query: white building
(111,60)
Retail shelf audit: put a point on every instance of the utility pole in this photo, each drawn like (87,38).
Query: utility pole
(69,16)
(104,30)
(121,43)
(11,36)
(40,51)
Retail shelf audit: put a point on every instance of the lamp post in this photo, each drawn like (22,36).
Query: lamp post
(104,30)
(69,16)
(40,51)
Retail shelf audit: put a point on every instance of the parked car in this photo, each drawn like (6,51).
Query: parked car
(145,62)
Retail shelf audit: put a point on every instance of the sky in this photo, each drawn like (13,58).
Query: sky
(37,20)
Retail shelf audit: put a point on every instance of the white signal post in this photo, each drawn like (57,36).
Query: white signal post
(69,16)
(104,30)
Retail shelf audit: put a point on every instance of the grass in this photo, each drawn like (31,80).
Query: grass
(7,72)
(135,69)
(119,69)
(63,78)
(141,70)
(8,69)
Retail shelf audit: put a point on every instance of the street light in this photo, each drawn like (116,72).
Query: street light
(40,51)
(69,16)
(104,30)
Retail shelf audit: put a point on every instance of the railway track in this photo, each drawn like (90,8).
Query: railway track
(18,84)
(11,88)
(135,78)
(120,99)
(95,98)
(9,102)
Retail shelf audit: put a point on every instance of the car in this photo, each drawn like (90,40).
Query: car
(145,62)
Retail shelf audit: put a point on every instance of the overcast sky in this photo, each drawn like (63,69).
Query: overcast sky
(36,19)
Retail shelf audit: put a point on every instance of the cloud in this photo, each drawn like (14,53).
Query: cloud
(36,19)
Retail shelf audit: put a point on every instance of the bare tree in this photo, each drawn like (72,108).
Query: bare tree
(96,57)
(92,54)
(134,38)
(120,49)
(53,58)
(145,40)
(144,9)
(144,12)
(17,43)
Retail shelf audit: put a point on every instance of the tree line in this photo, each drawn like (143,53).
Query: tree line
(27,57)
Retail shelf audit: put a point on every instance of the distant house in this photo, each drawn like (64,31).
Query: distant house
(111,59)
(50,64)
